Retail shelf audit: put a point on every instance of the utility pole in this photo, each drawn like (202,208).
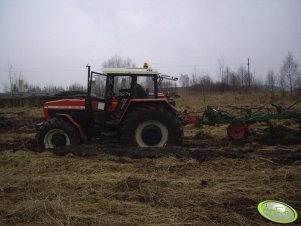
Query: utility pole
(248,67)
(249,79)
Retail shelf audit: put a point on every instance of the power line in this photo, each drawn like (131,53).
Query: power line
(49,70)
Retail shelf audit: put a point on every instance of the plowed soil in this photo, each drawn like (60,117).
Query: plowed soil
(210,180)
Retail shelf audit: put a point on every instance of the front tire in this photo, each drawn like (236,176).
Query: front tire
(57,133)
(151,126)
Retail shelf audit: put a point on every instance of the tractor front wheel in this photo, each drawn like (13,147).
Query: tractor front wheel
(57,133)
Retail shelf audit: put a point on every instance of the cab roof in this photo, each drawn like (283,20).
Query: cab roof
(130,71)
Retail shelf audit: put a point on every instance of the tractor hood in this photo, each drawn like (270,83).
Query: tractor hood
(65,104)
(58,106)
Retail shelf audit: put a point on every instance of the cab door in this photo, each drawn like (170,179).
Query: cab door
(98,97)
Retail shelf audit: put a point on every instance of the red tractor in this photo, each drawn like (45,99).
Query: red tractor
(115,101)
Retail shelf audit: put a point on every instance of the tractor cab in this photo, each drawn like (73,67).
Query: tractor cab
(112,90)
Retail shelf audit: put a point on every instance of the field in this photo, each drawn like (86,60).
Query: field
(210,180)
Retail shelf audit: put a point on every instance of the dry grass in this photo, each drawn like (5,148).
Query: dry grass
(195,101)
(44,189)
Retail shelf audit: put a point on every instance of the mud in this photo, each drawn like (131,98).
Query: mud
(199,145)
(200,154)
(5,124)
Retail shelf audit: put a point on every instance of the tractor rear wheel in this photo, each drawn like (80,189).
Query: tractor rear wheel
(57,133)
(151,126)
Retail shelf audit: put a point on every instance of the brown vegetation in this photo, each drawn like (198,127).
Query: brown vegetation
(174,186)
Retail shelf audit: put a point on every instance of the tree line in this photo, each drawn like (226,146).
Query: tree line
(14,87)
(287,80)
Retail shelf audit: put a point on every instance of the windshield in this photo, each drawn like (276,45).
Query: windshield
(147,83)
(121,83)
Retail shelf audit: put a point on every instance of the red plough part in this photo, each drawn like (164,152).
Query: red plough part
(237,131)
(189,119)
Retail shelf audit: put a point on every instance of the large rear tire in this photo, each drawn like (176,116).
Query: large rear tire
(151,126)
(57,133)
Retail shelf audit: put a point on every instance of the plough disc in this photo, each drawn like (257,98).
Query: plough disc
(237,131)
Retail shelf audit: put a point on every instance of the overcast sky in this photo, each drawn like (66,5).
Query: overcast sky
(51,42)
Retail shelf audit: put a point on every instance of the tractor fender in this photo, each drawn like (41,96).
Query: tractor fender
(137,102)
(73,122)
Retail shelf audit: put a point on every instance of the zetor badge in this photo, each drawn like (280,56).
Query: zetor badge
(277,211)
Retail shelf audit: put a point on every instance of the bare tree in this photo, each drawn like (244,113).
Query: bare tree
(118,62)
(14,78)
(194,80)
(184,80)
(5,87)
(226,77)
(298,83)
(221,68)
(242,74)
(289,71)
(32,88)
(205,83)
(166,84)
(76,87)
(282,83)
(149,83)
(249,80)
(53,89)
(245,77)
(270,81)
(234,81)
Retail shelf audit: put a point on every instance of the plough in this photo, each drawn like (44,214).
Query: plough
(239,126)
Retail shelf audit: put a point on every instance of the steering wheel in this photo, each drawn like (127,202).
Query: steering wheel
(125,92)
